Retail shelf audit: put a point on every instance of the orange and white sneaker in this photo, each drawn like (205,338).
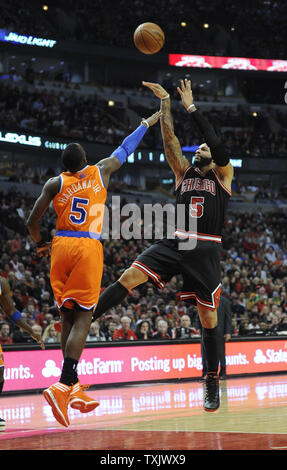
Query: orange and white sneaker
(58,396)
(80,401)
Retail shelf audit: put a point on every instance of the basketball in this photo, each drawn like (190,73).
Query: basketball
(149,38)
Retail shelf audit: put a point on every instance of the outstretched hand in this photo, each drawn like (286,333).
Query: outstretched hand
(44,249)
(37,337)
(185,92)
(158,90)
(153,119)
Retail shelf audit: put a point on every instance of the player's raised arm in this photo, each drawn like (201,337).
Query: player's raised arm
(219,154)
(177,162)
(127,147)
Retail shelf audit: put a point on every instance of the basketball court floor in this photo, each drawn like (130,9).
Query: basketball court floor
(162,416)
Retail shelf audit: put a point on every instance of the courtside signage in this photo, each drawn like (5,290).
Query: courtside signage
(108,365)
(227,63)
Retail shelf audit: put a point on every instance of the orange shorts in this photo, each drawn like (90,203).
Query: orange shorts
(76,271)
(1,357)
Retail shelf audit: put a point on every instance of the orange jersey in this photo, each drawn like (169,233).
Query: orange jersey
(1,357)
(80,202)
(77,253)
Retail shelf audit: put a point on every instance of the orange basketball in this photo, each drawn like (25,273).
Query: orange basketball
(149,38)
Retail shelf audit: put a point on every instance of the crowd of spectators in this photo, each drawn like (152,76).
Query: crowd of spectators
(55,114)
(256,29)
(245,133)
(86,118)
(254,279)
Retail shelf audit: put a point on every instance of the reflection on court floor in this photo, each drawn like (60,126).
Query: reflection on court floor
(250,406)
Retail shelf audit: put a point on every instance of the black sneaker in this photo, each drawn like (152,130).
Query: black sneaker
(222,375)
(211,399)
(2,425)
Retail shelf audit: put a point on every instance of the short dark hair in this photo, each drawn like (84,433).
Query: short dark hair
(73,156)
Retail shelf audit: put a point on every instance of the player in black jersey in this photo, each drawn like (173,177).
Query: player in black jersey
(203,189)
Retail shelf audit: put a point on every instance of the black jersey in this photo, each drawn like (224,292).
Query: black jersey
(204,200)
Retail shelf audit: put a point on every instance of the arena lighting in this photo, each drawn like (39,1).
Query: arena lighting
(190,148)
(227,63)
(24,39)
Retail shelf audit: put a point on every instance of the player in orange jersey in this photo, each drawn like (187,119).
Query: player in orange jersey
(10,311)
(78,196)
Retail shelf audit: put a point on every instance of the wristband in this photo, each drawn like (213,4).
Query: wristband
(191,108)
(16,316)
(165,97)
(144,121)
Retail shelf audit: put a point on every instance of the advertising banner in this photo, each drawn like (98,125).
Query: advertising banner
(26,39)
(227,63)
(38,369)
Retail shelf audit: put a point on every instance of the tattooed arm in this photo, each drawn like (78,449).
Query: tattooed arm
(177,162)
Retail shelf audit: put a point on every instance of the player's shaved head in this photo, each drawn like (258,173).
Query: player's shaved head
(73,157)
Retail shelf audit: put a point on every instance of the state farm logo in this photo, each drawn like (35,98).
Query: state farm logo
(270,356)
(50,369)
(96,366)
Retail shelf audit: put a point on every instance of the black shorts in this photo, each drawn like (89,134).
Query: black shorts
(200,269)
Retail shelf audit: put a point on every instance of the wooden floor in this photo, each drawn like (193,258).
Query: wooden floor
(252,416)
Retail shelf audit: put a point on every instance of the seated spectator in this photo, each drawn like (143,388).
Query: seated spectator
(125,333)
(50,335)
(254,323)
(31,310)
(132,315)
(5,337)
(95,334)
(283,324)
(143,330)
(161,330)
(44,317)
(22,336)
(243,329)
(262,330)
(185,330)
(37,329)
(111,328)
(274,327)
